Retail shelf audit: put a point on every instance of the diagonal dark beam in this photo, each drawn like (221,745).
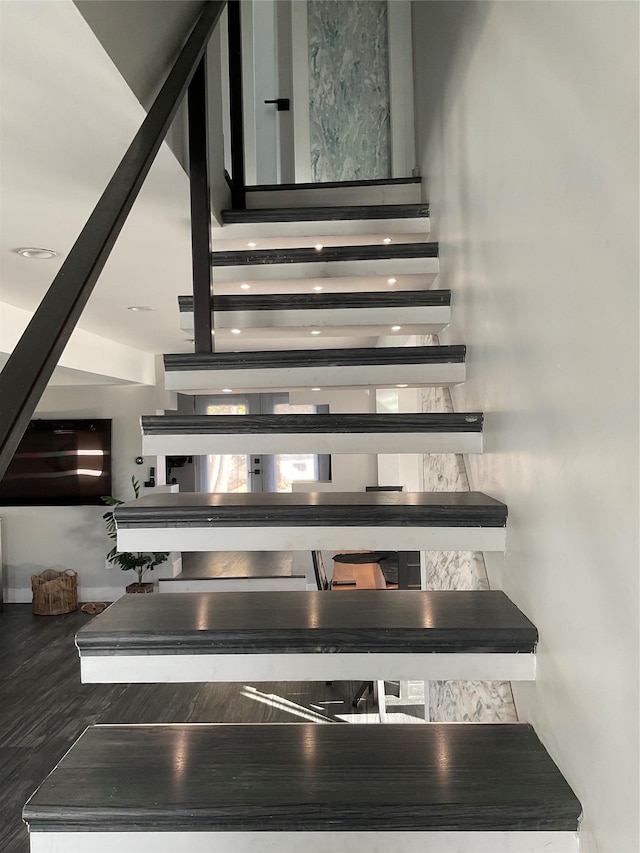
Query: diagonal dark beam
(200,209)
(31,364)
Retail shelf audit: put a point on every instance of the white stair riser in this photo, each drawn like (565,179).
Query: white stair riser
(167,668)
(359,319)
(283,378)
(362,228)
(220,538)
(202,444)
(326,269)
(304,842)
(256,584)
(335,196)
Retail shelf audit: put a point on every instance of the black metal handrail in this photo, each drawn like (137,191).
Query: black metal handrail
(36,355)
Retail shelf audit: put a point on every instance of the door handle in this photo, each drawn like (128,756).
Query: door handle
(254,472)
(282,104)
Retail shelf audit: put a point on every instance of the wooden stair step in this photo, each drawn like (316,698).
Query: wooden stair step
(320,214)
(425,312)
(369,192)
(406,258)
(302,521)
(188,435)
(309,636)
(332,223)
(302,786)
(328,254)
(281,369)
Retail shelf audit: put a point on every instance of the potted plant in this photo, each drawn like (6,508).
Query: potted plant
(140,561)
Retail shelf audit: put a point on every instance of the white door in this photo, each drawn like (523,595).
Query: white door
(260,84)
(276,65)
(274,59)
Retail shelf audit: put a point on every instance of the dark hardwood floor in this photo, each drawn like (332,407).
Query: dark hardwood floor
(44,708)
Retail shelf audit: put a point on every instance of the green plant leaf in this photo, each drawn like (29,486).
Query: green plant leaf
(141,561)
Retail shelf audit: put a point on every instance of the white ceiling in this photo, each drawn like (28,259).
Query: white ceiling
(67,118)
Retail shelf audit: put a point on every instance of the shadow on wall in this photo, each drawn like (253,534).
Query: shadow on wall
(459,26)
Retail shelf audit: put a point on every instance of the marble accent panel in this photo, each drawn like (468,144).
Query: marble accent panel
(349,90)
(471,702)
(458,701)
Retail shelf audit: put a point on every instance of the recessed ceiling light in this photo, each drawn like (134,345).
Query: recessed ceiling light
(387,240)
(252,245)
(396,328)
(404,385)
(245,286)
(318,288)
(316,389)
(235,331)
(227,390)
(316,332)
(140,308)
(318,247)
(391,280)
(37,254)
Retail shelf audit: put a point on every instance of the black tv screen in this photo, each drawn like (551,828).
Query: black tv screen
(60,462)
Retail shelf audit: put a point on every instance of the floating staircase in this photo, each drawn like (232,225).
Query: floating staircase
(309,636)
(363,219)
(408,311)
(325,262)
(304,521)
(377,367)
(185,435)
(437,788)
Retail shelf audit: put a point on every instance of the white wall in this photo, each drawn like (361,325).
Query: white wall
(73,537)
(528,136)
(143,46)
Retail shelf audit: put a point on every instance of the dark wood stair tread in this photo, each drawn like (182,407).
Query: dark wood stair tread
(333,213)
(303,777)
(369,621)
(315,423)
(323,301)
(307,255)
(295,509)
(264,359)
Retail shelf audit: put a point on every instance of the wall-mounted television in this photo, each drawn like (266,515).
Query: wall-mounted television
(58,463)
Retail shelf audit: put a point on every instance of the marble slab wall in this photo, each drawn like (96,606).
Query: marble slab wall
(349,90)
(458,701)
